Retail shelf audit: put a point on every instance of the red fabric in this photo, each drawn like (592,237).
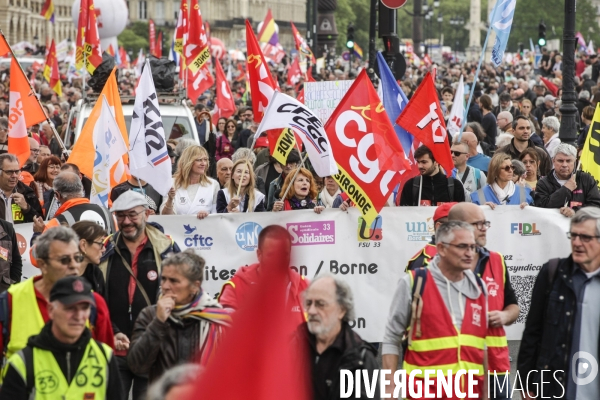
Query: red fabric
(422,117)
(152,37)
(198,83)
(258,71)
(134,260)
(580,67)
(159,44)
(294,73)
(102,331)
(260,341)
(225,103)
(551,86)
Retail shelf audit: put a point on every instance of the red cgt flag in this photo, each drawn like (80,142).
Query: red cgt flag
(294,73)
(198,83)
(422,117)
(262,84)
(225,104)
(369,155)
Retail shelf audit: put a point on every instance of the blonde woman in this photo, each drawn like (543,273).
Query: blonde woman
(194,192)
(239,194)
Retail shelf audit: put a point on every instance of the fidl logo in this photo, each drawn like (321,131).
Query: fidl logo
(524,229)
(373,233)
(246,235)
(420,231)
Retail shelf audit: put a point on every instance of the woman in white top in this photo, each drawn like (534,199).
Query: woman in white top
(329,193)
(194,193)
(239,194)
(550,128)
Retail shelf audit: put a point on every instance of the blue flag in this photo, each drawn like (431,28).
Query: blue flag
(501,22)
(394,100)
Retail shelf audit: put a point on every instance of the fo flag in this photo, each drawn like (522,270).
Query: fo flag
(148,156)
(501,22)
(287,112)
(369,155)
(590,155)
(424,119)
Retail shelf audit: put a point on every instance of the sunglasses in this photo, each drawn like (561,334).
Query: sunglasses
(457,153)
(66,260)
(508,168)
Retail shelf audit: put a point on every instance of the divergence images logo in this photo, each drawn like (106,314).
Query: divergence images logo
(524,229)
(195,240)
(420,231)
(372,233)
(246,235)
(307,233)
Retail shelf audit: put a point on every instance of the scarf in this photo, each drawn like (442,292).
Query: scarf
(504,194)
(327,199)
(297,204)
(211,318)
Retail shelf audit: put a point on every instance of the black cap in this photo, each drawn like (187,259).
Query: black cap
(72,290)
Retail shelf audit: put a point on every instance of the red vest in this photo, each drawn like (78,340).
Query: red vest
(493,277)
(428,252)
(440,345)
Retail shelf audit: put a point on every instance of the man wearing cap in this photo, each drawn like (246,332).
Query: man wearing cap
(131,267)
(424,256)
(63,360)
(58,256)
(547,105)
(153,198)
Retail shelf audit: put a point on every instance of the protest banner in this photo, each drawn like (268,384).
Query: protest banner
(370,258)
(323,97)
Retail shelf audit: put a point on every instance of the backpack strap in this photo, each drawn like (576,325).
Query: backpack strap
(477,177)
(465,175)
(416,184)
(481,196)
(451,189)
(68,217)
(420,278)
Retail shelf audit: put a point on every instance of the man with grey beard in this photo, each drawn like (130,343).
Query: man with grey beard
(333,345)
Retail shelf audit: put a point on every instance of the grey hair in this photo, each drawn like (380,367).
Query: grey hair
(519,167)
(584,94)
(175,376)
(566,149)
(184,144)
(195,264)
(552,123)
(7,157)
(244,153)
(59,233)
(463,144)
(587,213)
(3,123)
(343,295)
(538,101)
(445,232)
(68,185)
(50,123)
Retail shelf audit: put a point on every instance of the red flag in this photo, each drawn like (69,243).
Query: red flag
(224,104)
(92,40)
(158,45)
(301,44)
(18,144)
(294,73)
(262,84)
(551,86)
(369,155)
(300,96)
(271,366)
(198,83)
(81,27)
(18,82)
(4,48)
(152,37)
(309,77)
(124,58)
(197,50)
(422,117)
(182,27)
(53,71)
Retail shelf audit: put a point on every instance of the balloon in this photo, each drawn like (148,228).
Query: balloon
(112,16)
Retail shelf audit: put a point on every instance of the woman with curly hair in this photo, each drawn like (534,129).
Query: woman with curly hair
(302,194)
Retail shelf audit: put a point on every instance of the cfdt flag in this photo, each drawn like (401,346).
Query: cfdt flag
(501,23)
(18,143)
(148,156)
(287,112)
(109,169)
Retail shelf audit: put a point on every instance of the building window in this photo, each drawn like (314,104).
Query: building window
(159,10)
(176,6)
(142,7)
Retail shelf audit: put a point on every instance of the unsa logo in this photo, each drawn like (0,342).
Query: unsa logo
(246,235)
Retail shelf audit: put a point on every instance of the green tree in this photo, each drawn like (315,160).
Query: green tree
(132,43)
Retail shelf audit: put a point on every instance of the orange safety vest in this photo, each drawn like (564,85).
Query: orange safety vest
(435,343)
(493,277)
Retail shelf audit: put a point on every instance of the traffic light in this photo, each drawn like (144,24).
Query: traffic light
(350,37)
(542,34)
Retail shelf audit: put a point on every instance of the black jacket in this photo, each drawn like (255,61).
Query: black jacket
(68,357)
(550,194)
(35,209)
(435,189)
(511,150)
(546,341)
(11,265)
(474,114)
(348,352)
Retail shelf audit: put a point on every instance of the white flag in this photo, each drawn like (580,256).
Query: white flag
(455,120)
(141,59)
(148,156)
(110,149)
(590,48)
(286,112)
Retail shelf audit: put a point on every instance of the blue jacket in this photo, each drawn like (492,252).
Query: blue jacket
(514,200)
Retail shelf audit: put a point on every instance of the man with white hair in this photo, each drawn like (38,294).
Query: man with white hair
(566,190)
(550,128)
(583,100)
(548,104)
(504,122)
(47,138)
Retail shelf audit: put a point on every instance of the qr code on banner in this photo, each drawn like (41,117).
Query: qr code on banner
(523,285)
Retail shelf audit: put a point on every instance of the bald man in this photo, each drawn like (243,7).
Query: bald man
(502,301)
(476,159)
(224,167)
(504,121)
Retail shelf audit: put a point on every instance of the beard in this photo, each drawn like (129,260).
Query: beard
(139,229)
(320,328)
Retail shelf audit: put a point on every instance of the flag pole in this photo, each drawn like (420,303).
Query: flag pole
(487,37)
(420,191)
(293,178)
(56,135)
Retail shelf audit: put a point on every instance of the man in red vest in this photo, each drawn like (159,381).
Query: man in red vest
(239,286)
(448,326)
(502,301)
(424,256)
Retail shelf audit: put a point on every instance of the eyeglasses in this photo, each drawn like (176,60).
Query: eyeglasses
(66,260)
(11,171)
(457,153)
(101,243)
(463,247)
(290,166)
(508,168)
(231,127)
(35,151)
(132,216)
(481,225)
(583,238)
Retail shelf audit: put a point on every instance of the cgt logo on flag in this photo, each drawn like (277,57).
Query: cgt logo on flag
(436,126)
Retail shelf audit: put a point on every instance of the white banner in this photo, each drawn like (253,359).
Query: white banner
(323,97)
(370,259)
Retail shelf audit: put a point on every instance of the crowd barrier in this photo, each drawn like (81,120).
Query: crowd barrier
(370,258)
